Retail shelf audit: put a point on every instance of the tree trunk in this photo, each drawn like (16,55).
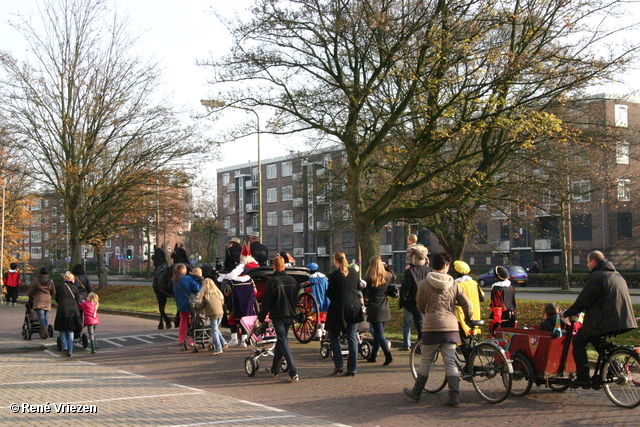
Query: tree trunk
(565,241)
(368,238)
(102,269)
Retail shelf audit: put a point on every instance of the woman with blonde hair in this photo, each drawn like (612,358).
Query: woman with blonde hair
(210,299)
(344,313)
(378,312)
(68,318)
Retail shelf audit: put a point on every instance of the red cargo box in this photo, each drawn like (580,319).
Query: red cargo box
(543,351)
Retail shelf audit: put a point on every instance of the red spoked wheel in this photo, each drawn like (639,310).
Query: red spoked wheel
(307,319)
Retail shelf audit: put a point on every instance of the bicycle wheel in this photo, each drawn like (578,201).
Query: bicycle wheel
(522,375)
(621,377)
(490,372)
(307,320)
(437,375)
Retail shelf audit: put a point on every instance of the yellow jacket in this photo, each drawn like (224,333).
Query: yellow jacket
(470,289)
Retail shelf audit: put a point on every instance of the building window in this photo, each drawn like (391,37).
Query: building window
(272,243)
(272,219)
(227,222)
(581,226)
(581,191)
(107,244)
(287,193)
(346,213)
(272,195)
(272,171)
(622,153)
(625,226)
(54,228)
(287,169)
(36,253)
(225,178)
(624,190)
(226,201)
(481,232)
(287,241)
(36,236)
(621,116)
(37,205)
(287,218)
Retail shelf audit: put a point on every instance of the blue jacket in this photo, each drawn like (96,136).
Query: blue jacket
(319,283)
(186,286)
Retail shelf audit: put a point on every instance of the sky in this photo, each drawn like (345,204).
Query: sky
(177,33)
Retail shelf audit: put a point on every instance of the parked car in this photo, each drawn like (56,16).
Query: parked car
(517,276)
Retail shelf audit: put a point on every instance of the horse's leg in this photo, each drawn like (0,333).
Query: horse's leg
(162,302)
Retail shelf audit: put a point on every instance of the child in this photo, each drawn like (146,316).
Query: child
(12,283)
(211,299)
(90,310)
(551,311)
(503,301)
(317,285)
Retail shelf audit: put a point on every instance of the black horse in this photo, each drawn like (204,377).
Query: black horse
(163,285)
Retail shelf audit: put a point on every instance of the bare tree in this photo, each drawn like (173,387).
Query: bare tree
(428,98)
(86,110)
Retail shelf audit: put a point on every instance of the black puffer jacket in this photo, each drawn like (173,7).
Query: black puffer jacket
(605,301)
(280,296)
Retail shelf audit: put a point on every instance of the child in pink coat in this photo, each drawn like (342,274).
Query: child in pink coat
(90,310)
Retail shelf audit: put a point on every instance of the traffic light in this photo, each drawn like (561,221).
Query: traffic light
(129,254)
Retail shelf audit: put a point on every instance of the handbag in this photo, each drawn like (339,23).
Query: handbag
(392,291)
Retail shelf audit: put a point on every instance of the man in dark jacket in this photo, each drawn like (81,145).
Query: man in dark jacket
(606,304)
(232,257)
(279,302)
(412,276)
(259,251)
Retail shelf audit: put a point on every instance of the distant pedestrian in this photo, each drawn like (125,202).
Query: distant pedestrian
(413,275)
(82,281)
(12,281)
(40,292)
(232,254)
(472,291)
(378,312)
(503,300)
(317,285)
(210,299)
(183,286)
(68,317)
(90,309)
(258,250)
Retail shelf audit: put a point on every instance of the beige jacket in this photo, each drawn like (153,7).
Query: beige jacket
(436,299)
(417,254)
(213,309)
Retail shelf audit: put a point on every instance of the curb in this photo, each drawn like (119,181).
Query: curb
(21,348)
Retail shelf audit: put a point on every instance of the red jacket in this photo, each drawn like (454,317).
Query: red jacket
(90,312)
(12,278)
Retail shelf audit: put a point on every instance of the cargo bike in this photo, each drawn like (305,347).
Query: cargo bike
(484,363)
(546,358)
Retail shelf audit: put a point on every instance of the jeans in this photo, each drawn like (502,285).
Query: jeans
(351,334)
(42,317)
(281,327)
(407,318)
(379,339)
(66,339)
(418,318)
(216,336)
(448,353)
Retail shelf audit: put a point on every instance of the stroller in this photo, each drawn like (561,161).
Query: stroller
(199,332)
(364,346)
(31,325)
(261,343)
(79,337)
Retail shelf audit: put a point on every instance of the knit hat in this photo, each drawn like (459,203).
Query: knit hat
(312,266)
(461,267)
(500,273)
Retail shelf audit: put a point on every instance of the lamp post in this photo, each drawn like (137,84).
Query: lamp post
(219,104)
(2,240)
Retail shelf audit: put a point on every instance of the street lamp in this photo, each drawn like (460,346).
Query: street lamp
(220,104)
(2,239)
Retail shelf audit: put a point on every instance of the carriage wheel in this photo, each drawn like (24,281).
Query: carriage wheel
(25,331)
(307,319)
(522,375)
(365,350)
(250,366)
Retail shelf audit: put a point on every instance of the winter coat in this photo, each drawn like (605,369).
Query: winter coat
(12,278)
(318,284)
(280,297)
(68,317)
(503,294)
(345,308)
(605,301)
(412,276)
(377,304)
(436,299)
(471,291)
(90,310)
(84,286)
(41,290)
(417,254)
(181,291)
(212,308)
(232,257)
(260,252)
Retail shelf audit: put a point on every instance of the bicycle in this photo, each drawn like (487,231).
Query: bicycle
(484,363)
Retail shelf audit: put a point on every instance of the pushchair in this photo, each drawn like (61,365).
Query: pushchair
(364,346)
(199,332)
(79,338)
(31,325)
(261,342)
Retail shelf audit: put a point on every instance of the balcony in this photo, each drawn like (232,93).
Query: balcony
(251,185)
(322,225)
(250,207)
(547,245)
(322,251)
(298,227)
(501,245)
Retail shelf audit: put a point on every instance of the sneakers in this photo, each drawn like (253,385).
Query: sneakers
(64,353)
(243,344)
(232,343)
(273,374)
(225,346)
(404,349)
(293,379)
(14,304)
(217,353)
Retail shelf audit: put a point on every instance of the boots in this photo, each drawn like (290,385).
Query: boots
(234,339)
(243,340)
(93,346)
(415,392)
(387,358)
(454,391)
